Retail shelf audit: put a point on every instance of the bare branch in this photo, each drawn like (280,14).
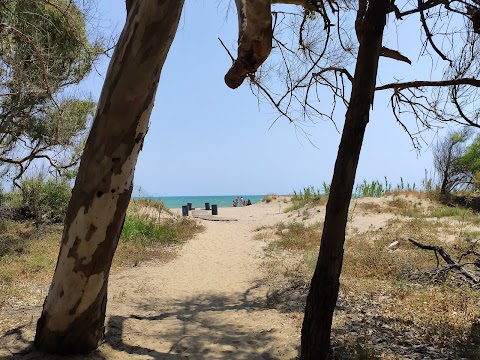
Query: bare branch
(228,52)
(419,84)
(425,6)
(334,69)
(306,4)
(448,259)
(394,54)
(428,33)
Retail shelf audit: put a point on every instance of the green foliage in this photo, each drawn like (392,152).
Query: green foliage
(378,189)
(50,41)
(145,231)
(309,195)
(373,189)
(45,50)
(142,225)
(470,161)
(44,200)
(455,169)
(326,188)
(447,211)
(471,157)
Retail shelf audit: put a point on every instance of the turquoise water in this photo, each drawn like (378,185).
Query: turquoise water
(174,202)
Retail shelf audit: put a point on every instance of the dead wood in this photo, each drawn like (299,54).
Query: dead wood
(452,264)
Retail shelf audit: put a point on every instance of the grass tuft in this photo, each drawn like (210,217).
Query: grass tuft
(308,196)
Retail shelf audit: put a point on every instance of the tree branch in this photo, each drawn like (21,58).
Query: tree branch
(425,6)
(394,54)
(429,34)
(448,259)
(421,83)
(254,39)
(306,4)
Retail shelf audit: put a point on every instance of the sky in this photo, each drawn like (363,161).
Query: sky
(206,139)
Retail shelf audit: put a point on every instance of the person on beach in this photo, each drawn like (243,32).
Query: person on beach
(234,203)
(240,201)
(249,202)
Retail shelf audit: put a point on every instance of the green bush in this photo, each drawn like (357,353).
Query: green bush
(309,195)
(44,201)
(145,231)
(143,227)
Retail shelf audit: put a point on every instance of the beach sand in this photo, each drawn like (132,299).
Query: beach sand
(207,303)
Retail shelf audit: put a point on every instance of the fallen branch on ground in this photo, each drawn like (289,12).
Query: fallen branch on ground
(471,277)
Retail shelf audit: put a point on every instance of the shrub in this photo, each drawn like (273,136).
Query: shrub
(44,201)
(142,227)
(268,198)
(309,195)
(146,232)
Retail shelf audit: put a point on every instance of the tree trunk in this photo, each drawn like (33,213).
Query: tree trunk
(73,314)
(322,298)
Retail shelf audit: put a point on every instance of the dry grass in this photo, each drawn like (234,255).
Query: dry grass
(297,236)
(30,254)
(269,198)
(395,291)
(23,272)
(370,207)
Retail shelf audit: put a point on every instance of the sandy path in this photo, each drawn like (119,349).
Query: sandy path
(208,303)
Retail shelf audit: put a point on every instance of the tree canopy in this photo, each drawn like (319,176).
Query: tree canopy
(44,51)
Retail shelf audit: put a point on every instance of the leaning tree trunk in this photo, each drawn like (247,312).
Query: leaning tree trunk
(315,342)
(73,314)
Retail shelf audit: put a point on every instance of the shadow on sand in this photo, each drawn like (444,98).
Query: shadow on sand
(210,326)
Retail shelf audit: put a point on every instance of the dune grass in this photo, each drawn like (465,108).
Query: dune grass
(400,285)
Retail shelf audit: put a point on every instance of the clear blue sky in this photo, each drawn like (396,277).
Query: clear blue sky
(206,139)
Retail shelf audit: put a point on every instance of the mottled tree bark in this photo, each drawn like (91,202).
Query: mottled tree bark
(73,314)
(322,298)
(254,39)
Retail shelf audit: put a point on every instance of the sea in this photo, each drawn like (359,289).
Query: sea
(176,202)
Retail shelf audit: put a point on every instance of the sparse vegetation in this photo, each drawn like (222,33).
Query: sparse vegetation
(147,235)
(268,198)
(297,236)
(40,199)
(314,197)
(28,251)
(394,290)
(308,195)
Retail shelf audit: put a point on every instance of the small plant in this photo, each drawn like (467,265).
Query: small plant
(305,215)
(373,189)
(428,183)
(326,188)
(309,196)
(143,229)
(268,198)
(351,211)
